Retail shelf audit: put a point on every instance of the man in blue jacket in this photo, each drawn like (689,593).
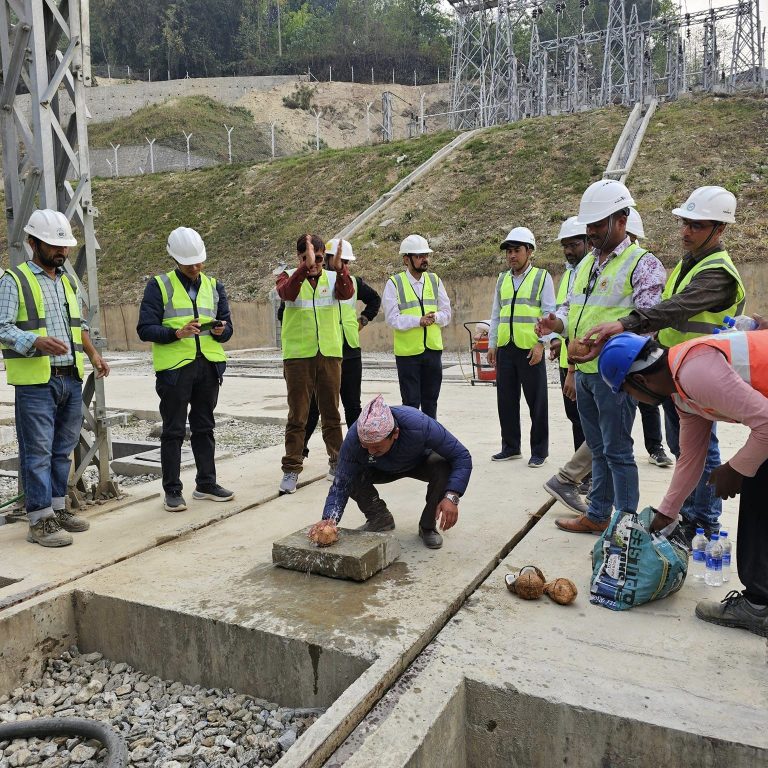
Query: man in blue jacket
(386,444)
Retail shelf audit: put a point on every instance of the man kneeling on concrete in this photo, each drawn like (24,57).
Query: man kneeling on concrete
(386,444)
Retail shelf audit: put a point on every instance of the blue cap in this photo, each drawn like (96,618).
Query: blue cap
(723,534)
(714,537)
(617,357)
(699,531)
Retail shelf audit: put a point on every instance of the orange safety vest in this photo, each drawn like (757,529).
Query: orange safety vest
(747,353)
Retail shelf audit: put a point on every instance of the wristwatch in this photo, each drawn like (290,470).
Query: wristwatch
(363,320)
(452,497)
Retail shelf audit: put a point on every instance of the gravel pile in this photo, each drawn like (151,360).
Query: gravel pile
(165,724)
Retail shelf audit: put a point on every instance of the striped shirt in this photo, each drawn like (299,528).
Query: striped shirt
(56,314)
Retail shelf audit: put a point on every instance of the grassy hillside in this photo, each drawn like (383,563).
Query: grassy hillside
(530,173)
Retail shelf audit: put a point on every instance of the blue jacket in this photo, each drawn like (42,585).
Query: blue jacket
(419,434)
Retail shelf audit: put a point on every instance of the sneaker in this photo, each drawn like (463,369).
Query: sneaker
(688,529)
(431,538)
(660,459)
(566,494)
(734,611)
(585,487)
(581,524)
(506,456)
(70,521)
(331,474)
(174,502)
(536,461)
(288,483)
(214,493)
(48,533)
(379,524)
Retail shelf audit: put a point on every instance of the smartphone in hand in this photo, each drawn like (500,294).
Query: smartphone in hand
(209,324)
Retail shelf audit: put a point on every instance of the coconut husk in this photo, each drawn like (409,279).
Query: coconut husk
(562,591)
(324,533)
(578,348)
(526,584)
(535,569)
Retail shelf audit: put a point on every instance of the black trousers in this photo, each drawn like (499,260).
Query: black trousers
(752,539)
(572,412)
(651,417)
(351,385)
(513,374)
(434,471)
(421,377)
(193,388)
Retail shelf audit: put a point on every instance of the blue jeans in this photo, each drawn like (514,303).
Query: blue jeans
(607,423)
(48,421)
(702,506)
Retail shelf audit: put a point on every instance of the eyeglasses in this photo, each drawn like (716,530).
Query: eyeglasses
(696,226)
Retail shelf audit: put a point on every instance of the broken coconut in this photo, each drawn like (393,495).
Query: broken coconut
(527,583)
(324,533)
(562,591)
(578,348)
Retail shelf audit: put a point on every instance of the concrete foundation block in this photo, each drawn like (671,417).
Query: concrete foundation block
(357,555)
(148,462)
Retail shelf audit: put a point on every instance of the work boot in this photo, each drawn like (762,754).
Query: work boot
(289,482)
(70,521)
(214,493)
(331,474)
(566,494)
(431,538)
(581,524)
(48,533)
(660,459)
(174,502)
(734,611)
(379,523)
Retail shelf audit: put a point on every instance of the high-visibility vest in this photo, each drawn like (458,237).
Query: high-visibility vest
(415,340)
(520,309)
(178,310)
(566,281)
(747,354)
(36,369)
(349,324)
(602,298)
(703,323)
(311,321)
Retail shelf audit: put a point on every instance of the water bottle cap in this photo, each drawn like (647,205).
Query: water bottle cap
(714,537)
(699,531)
(723,534)
(728,320)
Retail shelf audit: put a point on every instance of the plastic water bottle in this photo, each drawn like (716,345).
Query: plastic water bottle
(725,543)
(714,559)
(740,323)
(699,546)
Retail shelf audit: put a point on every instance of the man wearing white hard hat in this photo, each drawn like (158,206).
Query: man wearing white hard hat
(185,314)
(523,293)
(702,289)
(615,277)
(416,307)
(352,360)
(44,336)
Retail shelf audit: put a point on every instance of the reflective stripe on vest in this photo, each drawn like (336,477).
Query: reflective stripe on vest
(566,281)
(601,298)
(348,318)
(36,369)
(520,309)
(702,323)
(178,310)
(415,340)
(311,322)
(747,354)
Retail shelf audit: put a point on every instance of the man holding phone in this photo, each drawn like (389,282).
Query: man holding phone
(185,314)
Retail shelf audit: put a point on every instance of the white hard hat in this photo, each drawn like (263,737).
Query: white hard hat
(571,228)
(415,244)
(603,198)
(51,227)
(519,235)
(635,224)
(346,249)
(709,204)
(186,246)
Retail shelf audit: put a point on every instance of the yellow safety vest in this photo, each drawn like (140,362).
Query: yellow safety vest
(348,318)
(415,340)
(521,308)
(601,298)
(178,310)
(311,322)
(702,323)
(562,295)
(36,369)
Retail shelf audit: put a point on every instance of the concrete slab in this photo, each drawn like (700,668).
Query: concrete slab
(148,462)
(357,555)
